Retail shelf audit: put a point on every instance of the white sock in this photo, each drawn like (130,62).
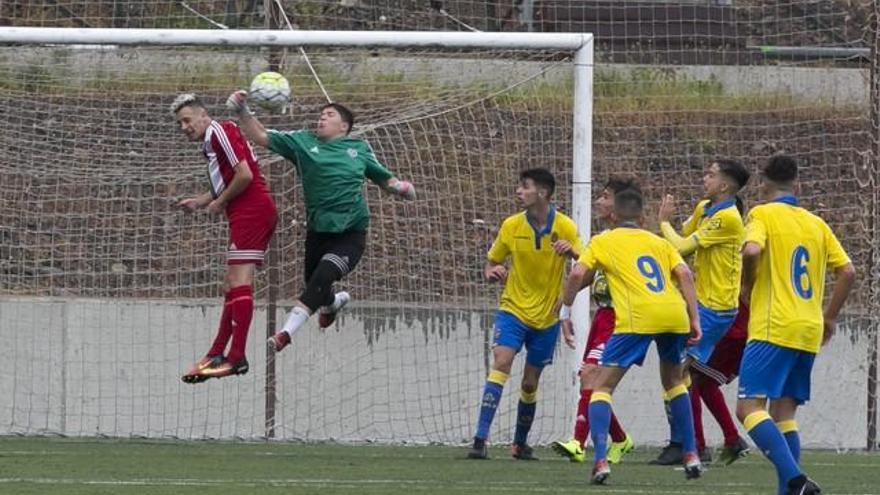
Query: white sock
(295,319)
(339,300)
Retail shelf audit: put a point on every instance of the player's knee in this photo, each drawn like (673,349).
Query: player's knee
(586,381)
(502,359)
(235,280)
(319,289)
(743,409)
(529,385)
(670,375)
(589,375)
(782,410)
(237,275)
(502,365)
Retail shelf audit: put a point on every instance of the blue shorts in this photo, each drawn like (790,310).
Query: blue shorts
(714,325)
(626,349)
(513,333)
(769,371)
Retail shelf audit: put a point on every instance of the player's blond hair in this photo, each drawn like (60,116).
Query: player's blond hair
(185,100)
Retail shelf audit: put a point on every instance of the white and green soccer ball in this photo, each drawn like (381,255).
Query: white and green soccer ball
(270,91)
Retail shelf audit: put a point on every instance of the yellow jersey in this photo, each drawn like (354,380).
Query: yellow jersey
(534,280)
(797,247)
(719,232)
(638,266)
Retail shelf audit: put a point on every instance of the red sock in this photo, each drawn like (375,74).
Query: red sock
(697,412)
(582,423)
(224,331)
(241,299)
(615,430)
(714,400)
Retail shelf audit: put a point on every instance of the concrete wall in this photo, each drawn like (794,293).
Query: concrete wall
(102,367)
(812,85)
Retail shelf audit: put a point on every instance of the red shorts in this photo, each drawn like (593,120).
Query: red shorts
(249,237)
(723,366)
(601,330)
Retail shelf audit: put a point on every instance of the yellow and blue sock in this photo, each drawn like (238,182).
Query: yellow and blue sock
(491,397)
(682,417)
(789,430)
(769,439)
(674,434)
(525,415)
(600,421)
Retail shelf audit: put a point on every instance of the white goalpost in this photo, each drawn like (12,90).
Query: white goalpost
(108,293)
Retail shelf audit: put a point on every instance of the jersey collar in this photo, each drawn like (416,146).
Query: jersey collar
(727,203)
(789,199)
(551,215)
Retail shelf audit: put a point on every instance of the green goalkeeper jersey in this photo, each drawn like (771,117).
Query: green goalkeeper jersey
(332,174)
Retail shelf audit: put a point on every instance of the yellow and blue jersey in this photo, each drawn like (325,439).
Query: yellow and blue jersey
(797,249)
(534,281)
(719,232)
(638,266)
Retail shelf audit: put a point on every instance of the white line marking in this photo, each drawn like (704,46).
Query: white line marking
(537,486)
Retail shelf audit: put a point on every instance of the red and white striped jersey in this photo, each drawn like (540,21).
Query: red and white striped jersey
(225,148)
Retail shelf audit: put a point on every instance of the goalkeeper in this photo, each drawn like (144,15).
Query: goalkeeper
(332,167)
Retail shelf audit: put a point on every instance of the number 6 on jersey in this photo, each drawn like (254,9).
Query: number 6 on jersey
(800,275)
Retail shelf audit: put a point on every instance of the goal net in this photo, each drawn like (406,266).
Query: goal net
(109,292)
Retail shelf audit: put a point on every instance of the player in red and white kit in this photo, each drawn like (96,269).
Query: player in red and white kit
(237,188)
(601,329)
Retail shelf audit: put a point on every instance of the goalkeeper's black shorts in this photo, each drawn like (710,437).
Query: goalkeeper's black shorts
(343,249)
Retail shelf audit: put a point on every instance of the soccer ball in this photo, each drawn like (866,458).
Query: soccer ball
(270,91)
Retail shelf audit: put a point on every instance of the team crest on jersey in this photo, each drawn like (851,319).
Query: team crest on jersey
(353,153)
(554,237)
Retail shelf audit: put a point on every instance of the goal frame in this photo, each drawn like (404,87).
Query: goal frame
(581,45)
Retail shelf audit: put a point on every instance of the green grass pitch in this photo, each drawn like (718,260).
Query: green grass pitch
(50,466)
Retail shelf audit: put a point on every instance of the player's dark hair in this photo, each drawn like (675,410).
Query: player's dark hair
(541,177)
(628,204)
(781,169)
(734,170)
(344,113)
(617,184)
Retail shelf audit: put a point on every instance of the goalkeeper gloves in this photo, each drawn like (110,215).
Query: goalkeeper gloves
(237,102)
(403,188)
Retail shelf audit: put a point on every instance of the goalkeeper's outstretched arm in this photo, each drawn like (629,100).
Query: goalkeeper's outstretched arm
(252,128)
(382,177)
